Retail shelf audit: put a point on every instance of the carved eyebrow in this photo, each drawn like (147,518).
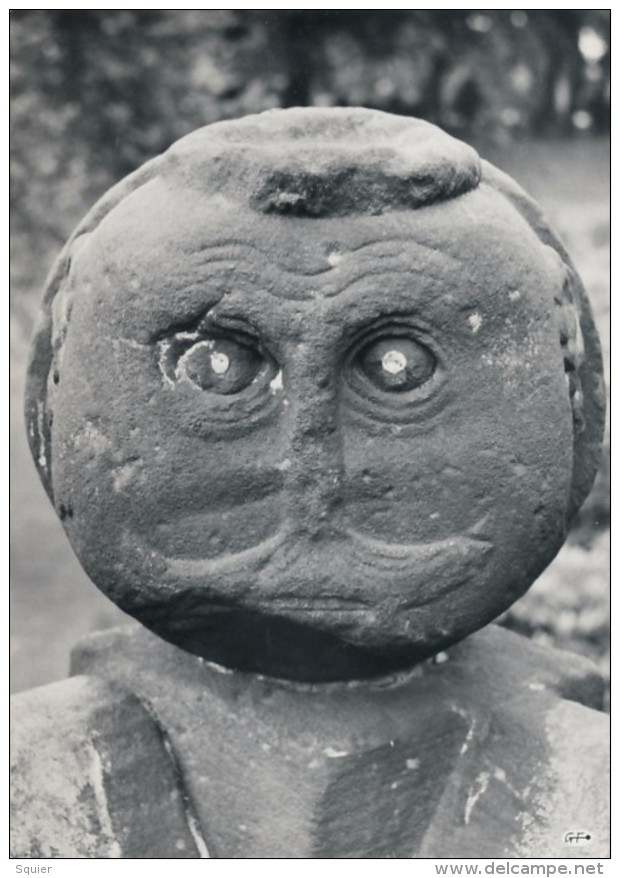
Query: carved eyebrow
(237,265)
(232,250)
(403,243)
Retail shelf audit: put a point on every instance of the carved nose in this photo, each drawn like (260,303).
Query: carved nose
(314,479)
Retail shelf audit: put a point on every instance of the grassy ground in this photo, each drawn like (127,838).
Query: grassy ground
(54,603)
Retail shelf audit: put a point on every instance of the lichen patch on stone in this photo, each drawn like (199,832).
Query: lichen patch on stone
(123,475)
(276,383)
(477,790)
(98,789)
(91,439)
(475,321)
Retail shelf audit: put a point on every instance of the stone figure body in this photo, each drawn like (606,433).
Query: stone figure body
(316,394)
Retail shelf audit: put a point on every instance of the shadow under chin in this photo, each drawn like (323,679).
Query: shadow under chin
(277,647)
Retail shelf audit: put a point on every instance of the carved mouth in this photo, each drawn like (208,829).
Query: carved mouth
(340,607)
(320,604)
(346,572)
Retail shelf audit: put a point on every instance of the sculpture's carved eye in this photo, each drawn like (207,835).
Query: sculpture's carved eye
(395,364)
(221,365)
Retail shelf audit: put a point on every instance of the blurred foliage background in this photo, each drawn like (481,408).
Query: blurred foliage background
(96,93)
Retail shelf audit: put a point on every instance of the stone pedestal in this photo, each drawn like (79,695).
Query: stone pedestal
(493,749)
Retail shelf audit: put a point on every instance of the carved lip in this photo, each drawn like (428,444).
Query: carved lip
(320,604)
(293,575)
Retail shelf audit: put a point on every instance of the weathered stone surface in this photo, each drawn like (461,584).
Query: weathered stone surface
(316,393)
(491,750)
(93,776)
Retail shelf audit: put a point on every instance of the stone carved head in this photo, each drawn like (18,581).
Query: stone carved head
(315,393)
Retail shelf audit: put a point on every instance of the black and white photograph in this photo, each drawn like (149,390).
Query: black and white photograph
(309,425)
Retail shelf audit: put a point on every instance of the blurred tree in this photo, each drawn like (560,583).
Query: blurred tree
(96,92)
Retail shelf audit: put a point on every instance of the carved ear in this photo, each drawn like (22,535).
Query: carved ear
(44,366)
(571,342)
(38,413)
(53,323)
(578,338)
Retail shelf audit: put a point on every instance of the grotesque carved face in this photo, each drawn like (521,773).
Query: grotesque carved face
(313,441)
